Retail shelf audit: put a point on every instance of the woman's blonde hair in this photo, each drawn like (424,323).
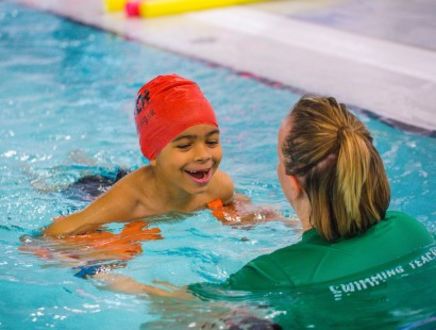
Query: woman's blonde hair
(332,155)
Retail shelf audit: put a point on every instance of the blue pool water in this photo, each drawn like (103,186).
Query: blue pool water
(66,100)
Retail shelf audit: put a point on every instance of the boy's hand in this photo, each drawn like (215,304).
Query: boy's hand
(98,245)
(241,212)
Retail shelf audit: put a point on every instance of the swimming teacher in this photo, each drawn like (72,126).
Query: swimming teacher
(334,178)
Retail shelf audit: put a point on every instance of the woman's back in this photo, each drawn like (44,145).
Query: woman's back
(315,260)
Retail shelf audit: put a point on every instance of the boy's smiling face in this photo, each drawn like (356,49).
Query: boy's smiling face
(189,161)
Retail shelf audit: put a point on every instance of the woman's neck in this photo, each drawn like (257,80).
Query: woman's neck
(303,209)
(306,225)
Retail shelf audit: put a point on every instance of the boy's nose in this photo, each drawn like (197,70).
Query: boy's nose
(202,153)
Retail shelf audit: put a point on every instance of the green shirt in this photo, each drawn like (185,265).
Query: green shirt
(314,260)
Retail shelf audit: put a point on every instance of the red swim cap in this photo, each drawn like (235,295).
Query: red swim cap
(165,107)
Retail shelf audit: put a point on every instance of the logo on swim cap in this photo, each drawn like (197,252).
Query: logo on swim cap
(142,100)
(166,106)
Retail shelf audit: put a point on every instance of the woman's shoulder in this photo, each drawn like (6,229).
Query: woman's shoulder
(401,220)
(400,223)
(392,214)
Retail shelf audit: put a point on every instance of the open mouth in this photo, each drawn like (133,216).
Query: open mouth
(200,176)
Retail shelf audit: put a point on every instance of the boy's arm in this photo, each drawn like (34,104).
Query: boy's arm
(125,284)
(236,209)
(117,204)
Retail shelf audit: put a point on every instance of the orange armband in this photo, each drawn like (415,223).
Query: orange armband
(216,206)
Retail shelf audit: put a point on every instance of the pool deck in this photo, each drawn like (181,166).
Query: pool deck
(378,55)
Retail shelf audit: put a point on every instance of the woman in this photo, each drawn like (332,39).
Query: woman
(335,180)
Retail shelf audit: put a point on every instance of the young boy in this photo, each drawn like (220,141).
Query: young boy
(178,133)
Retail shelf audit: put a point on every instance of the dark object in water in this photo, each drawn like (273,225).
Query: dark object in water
(89,187)
(253,323)
(90,270)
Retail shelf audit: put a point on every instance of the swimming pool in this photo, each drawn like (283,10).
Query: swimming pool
(66,99)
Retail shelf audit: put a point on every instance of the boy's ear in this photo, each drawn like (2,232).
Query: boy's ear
(153,162)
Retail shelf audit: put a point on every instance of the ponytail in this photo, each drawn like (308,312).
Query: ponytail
(332,153)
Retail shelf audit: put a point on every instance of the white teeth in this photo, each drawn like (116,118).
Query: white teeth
(197,171)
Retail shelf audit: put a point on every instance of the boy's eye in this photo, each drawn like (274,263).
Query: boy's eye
(183,146)
(212,142)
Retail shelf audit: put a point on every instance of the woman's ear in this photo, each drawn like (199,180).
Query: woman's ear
(296,188)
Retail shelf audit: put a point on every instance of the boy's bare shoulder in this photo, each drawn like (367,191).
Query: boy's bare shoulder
(222,187)
(134,181)
(133,191)
(140,174)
